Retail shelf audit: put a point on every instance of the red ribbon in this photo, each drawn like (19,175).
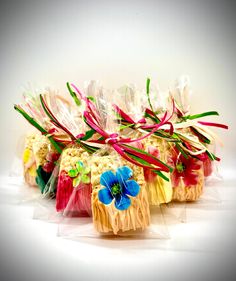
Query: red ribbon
(211,124)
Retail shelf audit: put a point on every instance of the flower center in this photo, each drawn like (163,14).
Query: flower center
(115,189)
(180,167)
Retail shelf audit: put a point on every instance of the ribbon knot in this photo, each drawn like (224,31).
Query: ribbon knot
(113,139)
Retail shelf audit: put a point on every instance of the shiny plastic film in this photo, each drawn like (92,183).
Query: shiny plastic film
(119,200)
(159,190)
(73,196)
(67,192)
(113,210)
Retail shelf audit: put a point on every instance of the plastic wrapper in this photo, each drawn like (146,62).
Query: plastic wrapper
(45,157)
(159,190)
(73,196)
(206,168)
(119,200)
(22,174)
(130,99)
(113,217)
(41,150)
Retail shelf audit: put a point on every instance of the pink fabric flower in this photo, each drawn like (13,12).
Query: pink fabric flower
(207,164)
(184,169)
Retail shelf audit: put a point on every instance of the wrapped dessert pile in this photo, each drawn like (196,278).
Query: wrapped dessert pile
(115,155)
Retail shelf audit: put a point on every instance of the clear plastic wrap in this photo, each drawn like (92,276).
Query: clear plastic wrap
(73,196)
(187,177)
(199,132)
(21,177)
(108,178)
(45,158)
(159,190)
(119,199)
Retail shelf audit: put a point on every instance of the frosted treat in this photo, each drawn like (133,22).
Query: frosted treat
(119,196)
(187,177)
(74,187)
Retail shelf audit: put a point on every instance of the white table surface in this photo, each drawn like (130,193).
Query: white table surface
(203,248)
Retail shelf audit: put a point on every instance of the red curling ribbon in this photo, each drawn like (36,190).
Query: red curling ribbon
(211,124)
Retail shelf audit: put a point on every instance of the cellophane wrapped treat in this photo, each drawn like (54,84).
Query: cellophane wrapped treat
(42,147)
(73,196)
(119,200)
(120,204)
(45,157)
(70,184)
(172,123)
(119,195)
(159,190)
(132,102)
(187,177)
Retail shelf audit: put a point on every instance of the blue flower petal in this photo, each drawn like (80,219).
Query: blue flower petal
(122,202)
(104,195)
(131,187)
(108,179)
(123,174)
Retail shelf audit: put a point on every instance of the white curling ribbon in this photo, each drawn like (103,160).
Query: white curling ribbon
(203,129)
(193,140)
(94,144)
(207,132)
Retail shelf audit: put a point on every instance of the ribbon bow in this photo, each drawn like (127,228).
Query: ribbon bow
(121,145)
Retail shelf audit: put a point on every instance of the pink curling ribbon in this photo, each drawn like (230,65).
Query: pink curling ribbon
(211,124)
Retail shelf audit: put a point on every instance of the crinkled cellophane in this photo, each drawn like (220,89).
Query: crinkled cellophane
(79,200)
(41,147)
(107,218)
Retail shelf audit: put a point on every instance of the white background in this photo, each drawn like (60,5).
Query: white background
(47,43)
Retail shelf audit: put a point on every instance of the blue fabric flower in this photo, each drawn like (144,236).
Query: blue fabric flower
(118,186)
